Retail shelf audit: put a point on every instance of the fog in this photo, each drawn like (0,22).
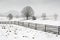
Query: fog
(49,7)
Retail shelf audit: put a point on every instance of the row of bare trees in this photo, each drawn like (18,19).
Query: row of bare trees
(44,16)
(26,12)
(29,12)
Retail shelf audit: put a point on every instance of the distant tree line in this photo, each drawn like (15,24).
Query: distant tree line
(28,12)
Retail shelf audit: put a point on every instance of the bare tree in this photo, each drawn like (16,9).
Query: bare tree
(55,16)
(44,16)
(10,16)
(27,12)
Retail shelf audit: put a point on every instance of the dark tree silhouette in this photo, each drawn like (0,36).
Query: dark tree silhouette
(33,17)
(44,16)
(27,12)
(10,16)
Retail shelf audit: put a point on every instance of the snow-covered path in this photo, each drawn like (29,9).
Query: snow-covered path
(15,32)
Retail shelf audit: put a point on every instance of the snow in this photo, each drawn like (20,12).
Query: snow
(15,32)
(14,19)
(45,22)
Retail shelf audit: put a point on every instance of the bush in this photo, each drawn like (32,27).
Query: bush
(34,18)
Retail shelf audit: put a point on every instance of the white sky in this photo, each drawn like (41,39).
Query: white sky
(39,6)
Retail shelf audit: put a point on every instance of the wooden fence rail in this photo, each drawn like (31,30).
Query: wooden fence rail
(46,28)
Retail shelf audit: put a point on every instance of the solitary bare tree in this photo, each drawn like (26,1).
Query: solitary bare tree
(55,16)
(10,16)
(27,12)
(44,16)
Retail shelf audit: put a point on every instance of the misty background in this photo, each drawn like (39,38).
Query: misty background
(50,7)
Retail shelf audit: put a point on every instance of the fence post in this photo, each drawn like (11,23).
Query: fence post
(35,26)
(22,23)
(18,22)
(28,24)
(58,31)
(45,28)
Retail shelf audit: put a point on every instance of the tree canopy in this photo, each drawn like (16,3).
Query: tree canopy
(27,12)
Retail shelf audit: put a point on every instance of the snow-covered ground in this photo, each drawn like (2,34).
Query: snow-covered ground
(14,19)
(15,32)
(45,22)
(39,21)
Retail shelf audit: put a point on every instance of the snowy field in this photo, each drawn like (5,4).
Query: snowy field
(15,32)
(14,19)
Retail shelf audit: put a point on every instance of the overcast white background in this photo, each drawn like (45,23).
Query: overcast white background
(39,6)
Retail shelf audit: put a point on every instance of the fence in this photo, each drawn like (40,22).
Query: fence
(46,28)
